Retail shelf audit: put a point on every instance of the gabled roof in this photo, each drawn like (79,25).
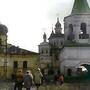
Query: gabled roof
(80,7)
(11,49)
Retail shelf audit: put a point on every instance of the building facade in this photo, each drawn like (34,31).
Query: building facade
(13,58)
(49,51)
(72,48)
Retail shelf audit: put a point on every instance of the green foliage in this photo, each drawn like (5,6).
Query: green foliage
(55,87)
(77,79)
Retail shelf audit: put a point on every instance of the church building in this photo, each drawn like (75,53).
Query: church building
(68,51)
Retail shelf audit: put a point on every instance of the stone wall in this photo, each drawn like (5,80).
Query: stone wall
(73,57)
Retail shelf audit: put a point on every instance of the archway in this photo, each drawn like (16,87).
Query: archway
(87,67)
(84,70)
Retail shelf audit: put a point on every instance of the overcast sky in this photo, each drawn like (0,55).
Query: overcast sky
(27,20)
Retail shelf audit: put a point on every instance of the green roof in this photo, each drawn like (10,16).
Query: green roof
(80,6)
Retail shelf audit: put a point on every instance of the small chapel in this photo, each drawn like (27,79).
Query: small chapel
(70,51)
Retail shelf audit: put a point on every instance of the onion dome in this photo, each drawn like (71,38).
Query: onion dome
(58,25)
(3,29)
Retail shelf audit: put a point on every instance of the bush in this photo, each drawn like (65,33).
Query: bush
(71,79)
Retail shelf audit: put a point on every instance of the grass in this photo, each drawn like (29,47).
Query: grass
(54,87)
(77,79)
(71,83)
(66,86)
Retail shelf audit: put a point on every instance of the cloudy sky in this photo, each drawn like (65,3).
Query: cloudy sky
(27,20)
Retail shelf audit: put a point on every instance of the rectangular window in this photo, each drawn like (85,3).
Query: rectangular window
(24,64)
(0,41)
(15,64)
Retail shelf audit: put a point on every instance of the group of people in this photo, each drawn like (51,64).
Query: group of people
(53,76)
(28,79)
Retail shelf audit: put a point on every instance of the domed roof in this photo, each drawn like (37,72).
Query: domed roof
(57,25)
(3,29)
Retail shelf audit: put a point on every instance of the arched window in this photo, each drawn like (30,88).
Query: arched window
(15,64)
(83,34)
(24,64)
(71,34)
(0,41)
(83,28)
(70,28)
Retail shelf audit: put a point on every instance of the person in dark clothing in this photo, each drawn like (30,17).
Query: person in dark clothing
(13,77)
(28,79)
(55,79)
(19,80)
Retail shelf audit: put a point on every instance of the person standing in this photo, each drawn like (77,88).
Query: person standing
(19,80)
(61,79)
(38,78)
(28,79)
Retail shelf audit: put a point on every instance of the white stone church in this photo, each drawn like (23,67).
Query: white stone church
(70,50)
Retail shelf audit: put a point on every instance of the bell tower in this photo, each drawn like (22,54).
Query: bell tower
(77,25)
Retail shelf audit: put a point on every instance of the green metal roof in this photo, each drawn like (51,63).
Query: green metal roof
(80,6)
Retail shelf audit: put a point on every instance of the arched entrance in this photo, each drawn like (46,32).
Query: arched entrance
(87,67)
(84,70)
